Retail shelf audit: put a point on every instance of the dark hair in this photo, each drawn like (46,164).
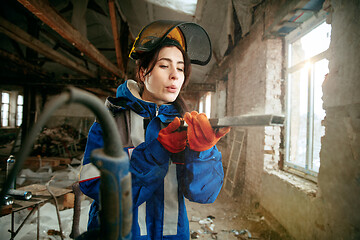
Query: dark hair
(147,60)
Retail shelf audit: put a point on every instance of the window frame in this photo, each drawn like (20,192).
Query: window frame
(298,33)
(8,115)
(13,107)
(205,104)
(17,110)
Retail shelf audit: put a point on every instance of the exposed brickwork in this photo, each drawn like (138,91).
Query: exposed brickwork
(254,74)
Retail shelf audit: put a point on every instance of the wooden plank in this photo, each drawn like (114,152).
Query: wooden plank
(63,161)
(69,200)
(27,68)
(53,161)
(61,82)
(116,37)
(34,162)
(5,210)
(40,190)
(49,16)
(22,37)
(22,204)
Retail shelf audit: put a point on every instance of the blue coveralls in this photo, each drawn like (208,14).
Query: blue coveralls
(160,179)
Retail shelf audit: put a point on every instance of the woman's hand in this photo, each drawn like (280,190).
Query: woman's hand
(171,139)
(201,136)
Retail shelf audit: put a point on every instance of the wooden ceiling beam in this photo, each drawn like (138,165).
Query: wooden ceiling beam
(26,67)
(22,37)
(115,31)
(47,14)
(105,84)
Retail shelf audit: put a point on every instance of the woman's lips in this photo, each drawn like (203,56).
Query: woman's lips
(171,89)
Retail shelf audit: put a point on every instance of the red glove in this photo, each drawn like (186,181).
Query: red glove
(200,134)
(172,140)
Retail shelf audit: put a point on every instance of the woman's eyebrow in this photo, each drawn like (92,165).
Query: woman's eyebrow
(169,60)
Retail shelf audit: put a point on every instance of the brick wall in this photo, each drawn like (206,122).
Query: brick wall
(254,77)
(329,209)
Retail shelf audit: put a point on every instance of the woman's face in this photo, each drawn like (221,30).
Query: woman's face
(163,83)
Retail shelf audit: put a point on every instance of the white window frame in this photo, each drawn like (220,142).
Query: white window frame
(13,106)
(305,28)
(2,111)
(19,119)
(205,104)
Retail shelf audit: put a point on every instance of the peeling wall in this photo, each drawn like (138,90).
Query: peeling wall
(253,72)
(329,209)
(334,212)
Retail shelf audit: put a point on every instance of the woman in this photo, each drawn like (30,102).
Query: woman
(166,164)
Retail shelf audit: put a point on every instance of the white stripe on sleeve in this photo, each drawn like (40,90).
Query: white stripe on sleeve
(89,171)
(171,203)
(142,219)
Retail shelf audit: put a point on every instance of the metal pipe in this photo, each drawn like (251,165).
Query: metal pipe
(26,147)
(56,206)
(24,221)
(112,162)
(248,120)
(244,121)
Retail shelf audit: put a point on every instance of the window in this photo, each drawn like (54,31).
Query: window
(12,104)
(205,104)
(5,109)
(19,110)
(184,6)
(306,69)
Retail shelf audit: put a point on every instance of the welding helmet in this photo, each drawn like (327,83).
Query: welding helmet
(191,37)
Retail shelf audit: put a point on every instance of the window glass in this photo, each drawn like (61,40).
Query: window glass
(208,104)
(311,44)
(20,100)
(298,116)
(320,70)
(185,6)
(307,68)
(5,115)
(19,110)
(5,98)
(5,107)
(205,104)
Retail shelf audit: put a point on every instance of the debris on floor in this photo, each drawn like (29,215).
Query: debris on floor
(63,177)
(62,141)
(49,226)
(255,218)
(227,219)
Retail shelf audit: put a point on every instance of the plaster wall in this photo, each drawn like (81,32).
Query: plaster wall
(73,114)
(253,72)
(329,209)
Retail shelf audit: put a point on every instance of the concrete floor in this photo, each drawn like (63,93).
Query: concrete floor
(230,220)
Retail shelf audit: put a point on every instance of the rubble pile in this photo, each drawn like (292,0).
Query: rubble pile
(63,140)
(207,230)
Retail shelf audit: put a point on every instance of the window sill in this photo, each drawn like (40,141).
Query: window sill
(308,187)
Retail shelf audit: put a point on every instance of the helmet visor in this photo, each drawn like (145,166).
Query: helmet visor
(190,36)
